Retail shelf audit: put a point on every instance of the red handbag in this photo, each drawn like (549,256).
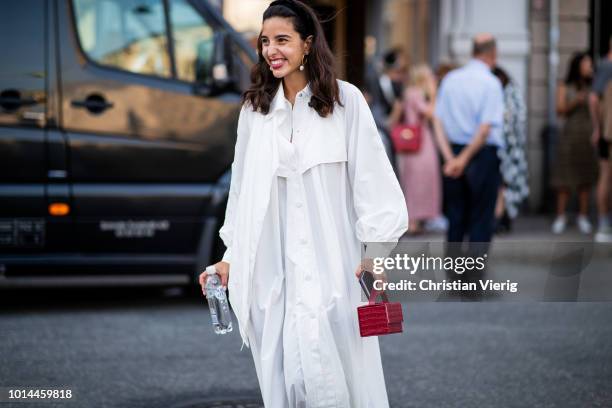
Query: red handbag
(406,138)
(376,319)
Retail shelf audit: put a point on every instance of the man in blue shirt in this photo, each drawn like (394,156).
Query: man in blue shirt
(470,106)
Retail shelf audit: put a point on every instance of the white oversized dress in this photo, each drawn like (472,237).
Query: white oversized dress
(297,214)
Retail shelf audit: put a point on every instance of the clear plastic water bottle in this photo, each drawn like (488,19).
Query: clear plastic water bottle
(220,313)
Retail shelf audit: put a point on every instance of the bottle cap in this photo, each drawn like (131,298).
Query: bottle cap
(211,270)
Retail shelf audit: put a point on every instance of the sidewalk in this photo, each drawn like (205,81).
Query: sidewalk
(524,228)
(546,266)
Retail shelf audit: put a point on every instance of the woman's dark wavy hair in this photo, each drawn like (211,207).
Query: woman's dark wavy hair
(573,74)
(319,62)
(501,75)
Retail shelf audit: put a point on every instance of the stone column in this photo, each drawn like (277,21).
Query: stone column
(507,20)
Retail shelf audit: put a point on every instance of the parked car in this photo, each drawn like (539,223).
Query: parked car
(117,130)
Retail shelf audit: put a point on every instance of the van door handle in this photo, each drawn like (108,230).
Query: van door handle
(10,100)
(95,103)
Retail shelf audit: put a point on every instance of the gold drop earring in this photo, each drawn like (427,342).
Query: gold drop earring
(303,62)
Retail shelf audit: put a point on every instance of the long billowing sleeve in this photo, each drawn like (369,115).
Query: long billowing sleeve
(378,199)
(227,230)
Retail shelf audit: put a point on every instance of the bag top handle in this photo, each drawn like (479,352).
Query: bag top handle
(374,296)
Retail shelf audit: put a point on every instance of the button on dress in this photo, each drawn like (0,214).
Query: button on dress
(305,193)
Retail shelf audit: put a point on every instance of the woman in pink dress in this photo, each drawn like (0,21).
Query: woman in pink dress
(419,172)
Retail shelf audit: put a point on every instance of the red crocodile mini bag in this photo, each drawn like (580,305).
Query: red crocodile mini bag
(376,319)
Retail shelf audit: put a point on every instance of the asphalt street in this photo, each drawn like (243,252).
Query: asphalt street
(146,348)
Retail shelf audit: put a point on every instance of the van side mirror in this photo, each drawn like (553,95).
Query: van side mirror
(214,66)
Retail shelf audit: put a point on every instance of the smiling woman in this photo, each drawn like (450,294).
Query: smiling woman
(292,46)
(310,182)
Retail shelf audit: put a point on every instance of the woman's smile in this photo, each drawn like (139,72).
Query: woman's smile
(277,63)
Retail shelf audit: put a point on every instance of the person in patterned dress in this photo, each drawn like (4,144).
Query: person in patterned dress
(513,160)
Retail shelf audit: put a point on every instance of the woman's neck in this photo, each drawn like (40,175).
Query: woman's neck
(294,83)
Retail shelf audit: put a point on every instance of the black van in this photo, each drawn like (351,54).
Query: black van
(117,129)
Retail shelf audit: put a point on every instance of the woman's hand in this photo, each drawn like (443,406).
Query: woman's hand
(223,272)
(365,265)
(368,266)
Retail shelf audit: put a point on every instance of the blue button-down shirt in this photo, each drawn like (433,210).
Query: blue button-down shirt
(469,97)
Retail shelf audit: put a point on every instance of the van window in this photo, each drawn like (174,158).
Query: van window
(126,34)
(193,42)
